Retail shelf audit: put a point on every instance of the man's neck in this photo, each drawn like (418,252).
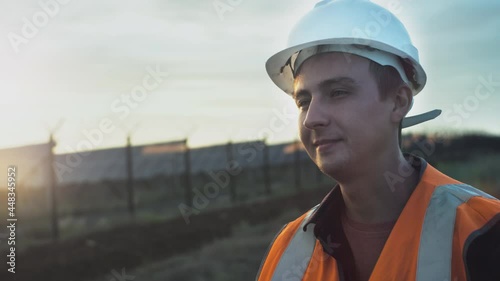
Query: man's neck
(381,193)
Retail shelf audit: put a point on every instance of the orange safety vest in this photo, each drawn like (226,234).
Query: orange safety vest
(429,241)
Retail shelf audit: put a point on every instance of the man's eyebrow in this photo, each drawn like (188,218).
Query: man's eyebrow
(337,80)
(325,83)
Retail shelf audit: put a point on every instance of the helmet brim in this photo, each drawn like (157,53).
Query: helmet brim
(279,69)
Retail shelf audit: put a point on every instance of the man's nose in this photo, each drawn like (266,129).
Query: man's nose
(316,116)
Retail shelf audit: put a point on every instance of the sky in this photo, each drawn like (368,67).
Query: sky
(94,72)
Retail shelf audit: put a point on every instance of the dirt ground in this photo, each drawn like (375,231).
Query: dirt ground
(123,249)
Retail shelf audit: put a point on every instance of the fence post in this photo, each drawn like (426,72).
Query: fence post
(232,183)
(187,175)
(265,168)
(53,191)
(130,179)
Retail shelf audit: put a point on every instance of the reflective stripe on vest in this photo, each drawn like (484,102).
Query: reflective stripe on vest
(435,250)
(298,252)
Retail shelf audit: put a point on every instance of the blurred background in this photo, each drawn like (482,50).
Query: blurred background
(151,145)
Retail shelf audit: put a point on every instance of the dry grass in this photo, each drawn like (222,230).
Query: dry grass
(235,258)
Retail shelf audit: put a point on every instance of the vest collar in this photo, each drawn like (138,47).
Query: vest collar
(328,228)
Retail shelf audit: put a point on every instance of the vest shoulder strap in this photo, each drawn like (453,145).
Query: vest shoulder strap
(436,239)
(295,259)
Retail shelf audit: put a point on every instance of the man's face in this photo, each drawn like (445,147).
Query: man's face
(343,123)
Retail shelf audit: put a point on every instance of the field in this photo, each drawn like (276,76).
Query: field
(130,246)
(83,210)
(226,241)
(482,172)
(234,258)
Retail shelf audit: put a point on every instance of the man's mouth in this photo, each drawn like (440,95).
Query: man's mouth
(323,144)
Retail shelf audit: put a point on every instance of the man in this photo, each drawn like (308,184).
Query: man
(353,71)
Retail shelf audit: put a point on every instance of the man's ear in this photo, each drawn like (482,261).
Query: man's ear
(402,103)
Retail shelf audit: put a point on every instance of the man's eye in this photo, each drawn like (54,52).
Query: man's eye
(335,93)
(302,103)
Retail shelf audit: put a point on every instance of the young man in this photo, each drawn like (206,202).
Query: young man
(353,71)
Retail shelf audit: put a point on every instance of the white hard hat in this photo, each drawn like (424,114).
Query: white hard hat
(358,27)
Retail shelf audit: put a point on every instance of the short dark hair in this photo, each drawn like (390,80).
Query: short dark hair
(388,81)
(387,78)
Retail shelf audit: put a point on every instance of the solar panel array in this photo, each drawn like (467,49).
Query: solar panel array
(161,159)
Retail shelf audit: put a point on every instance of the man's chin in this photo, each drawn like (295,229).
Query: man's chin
(332,168)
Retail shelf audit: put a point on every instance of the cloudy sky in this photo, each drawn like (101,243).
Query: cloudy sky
(79,67)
